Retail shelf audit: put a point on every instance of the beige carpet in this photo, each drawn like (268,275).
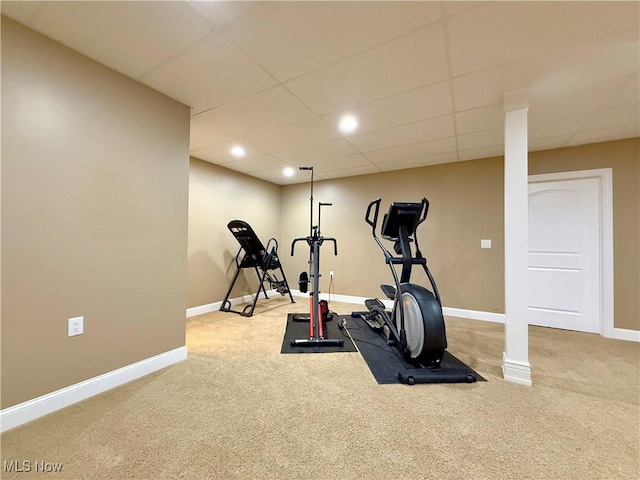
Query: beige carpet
(238,409)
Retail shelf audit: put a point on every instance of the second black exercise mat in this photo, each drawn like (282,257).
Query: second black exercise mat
(385,362)
(300,330)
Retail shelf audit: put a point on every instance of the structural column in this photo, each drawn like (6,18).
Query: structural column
(515,359)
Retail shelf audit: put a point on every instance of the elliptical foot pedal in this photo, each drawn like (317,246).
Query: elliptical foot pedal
(389,291)
(372,303)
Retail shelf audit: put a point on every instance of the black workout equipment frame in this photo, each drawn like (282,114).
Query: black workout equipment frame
(415,325)
(316,316)
(262,259)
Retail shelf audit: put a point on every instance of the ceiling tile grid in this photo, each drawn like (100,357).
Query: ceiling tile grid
(425,80)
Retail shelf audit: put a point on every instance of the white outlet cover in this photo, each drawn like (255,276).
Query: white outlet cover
(75,326)
(485,243)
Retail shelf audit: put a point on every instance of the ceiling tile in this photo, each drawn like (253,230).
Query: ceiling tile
(613,117)
(266,110)
(506,31)
(211,72)
(291,137)
(425,130)
(20,11)
(609,134)
(203,135)
(542,124)
(457,6)
(479,119)
(470,141)
(485,88)
(130,37)
(547,143)
(324,155)
(566,98)
(293,38)
(429,101)
(351,171)
(255,164)
(221,13)
(629,94)
(419,162)
(221,152)
(275,175)
(327,165)
(483,152)
(382,71)
(406,152)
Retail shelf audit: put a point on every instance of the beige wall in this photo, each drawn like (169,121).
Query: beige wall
(94,217)
(466,206)
(216,196)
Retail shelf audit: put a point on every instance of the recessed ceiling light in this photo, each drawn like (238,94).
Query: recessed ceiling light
(238,151)
(288,172)
(348,124)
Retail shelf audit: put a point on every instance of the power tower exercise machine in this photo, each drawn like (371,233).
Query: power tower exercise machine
(318,310)
(415,324)
(264,260)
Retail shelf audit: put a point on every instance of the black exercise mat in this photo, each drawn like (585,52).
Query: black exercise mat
(300,330)
(385,362)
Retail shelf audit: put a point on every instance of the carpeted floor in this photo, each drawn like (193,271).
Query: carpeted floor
(239,409)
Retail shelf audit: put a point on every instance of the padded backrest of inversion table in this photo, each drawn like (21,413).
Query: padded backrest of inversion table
(247,239)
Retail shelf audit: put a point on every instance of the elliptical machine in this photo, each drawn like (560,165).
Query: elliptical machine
(415,324)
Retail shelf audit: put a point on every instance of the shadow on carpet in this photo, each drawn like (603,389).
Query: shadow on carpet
(388,366)
(300,331)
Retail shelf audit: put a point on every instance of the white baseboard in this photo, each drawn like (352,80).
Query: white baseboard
(214,307)
(32,409)
(516,372)
(623,334)
(615,333)
(473,314)
(449,311)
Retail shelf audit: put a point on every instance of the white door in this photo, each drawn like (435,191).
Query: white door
(564,254)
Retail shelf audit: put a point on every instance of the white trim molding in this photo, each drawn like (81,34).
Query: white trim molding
(447,311)
(38,407)
(516,371)
(214,307)
(624,334)
(474,314)
(516,237)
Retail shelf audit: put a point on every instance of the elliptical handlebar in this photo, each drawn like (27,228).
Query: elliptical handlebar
(373,223)
(425,210)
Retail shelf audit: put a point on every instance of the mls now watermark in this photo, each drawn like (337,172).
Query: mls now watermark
(29,466)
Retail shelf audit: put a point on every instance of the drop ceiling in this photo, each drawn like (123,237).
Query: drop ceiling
(425,79)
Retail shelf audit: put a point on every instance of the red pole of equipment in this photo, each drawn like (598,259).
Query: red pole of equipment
(311,329)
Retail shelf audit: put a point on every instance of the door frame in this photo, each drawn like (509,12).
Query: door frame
(605,185)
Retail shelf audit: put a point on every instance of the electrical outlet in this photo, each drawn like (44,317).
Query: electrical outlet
(331,273)
(485,243)
(76,326)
